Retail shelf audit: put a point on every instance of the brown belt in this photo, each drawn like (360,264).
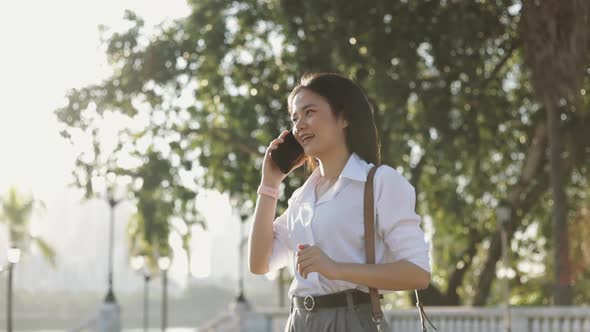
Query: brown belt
(310,303)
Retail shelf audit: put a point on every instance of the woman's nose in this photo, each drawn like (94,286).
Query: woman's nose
(298,125)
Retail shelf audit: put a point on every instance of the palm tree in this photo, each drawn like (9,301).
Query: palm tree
(556,38)
(16,211)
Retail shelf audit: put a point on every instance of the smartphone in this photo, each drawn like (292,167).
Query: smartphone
(288,153)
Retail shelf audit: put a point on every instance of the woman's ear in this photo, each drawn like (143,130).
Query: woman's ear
(344,123)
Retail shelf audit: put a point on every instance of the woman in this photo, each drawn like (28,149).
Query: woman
(321,232)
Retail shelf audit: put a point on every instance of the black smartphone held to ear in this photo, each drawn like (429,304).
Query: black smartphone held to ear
(287,153)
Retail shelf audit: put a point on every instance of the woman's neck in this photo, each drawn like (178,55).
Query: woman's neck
(332,163)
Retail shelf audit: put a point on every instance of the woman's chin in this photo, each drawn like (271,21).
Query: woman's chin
(310,151)
(314,153)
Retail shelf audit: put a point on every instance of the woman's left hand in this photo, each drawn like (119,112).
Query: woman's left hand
(313,259)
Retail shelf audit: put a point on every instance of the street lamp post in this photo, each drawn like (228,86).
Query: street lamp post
(146,297)
(13,258)
(110,313)
(240,306)
(243,240)
(108,187)
(164,265)
(110,297)
(503,215)
(139,264)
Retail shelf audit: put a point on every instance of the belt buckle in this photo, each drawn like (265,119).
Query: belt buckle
(309,297)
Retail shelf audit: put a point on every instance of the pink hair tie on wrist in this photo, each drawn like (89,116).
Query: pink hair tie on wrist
(268,191)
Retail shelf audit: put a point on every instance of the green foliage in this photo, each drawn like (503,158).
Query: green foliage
(452,98)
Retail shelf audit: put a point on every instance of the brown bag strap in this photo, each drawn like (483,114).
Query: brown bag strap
(369,211)
(370,241)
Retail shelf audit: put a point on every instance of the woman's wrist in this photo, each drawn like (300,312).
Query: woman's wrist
(269,191)
(271,184)
(336,273)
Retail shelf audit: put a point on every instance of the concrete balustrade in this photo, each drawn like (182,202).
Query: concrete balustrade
(446,319)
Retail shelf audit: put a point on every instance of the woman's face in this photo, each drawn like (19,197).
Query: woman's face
(315,126)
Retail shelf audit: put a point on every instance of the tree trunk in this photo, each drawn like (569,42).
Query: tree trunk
(562,291)
(488,274)
(457,277)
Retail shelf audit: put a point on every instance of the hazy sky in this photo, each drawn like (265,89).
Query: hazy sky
(49,47)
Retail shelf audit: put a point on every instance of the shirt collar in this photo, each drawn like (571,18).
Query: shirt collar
(356,168)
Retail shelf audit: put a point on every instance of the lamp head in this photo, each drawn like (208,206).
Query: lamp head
(164,263)
(137,262)
(13,254)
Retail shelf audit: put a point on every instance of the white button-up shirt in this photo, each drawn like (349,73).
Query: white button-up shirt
(335,223)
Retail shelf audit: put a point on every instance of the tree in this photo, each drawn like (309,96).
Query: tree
(16,211)
(452,98)
(109,163)
(149,228)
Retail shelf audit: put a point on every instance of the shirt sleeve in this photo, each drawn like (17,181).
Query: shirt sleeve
(281,254)
(397,222)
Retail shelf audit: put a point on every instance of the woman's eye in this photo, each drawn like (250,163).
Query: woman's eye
(308,112)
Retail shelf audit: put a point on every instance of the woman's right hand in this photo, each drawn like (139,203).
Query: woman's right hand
(271,173)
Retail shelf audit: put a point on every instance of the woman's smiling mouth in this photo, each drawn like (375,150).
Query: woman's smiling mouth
(305,138)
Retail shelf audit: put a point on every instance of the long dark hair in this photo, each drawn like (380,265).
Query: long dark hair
(346,99)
